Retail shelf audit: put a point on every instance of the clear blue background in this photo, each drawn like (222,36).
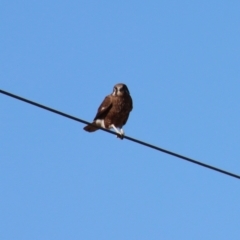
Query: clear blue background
(180,61)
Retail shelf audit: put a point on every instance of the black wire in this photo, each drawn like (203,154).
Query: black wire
(126,137)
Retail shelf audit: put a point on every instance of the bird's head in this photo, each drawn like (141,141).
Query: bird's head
(120,90)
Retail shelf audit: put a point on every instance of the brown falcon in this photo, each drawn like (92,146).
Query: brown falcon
(114,111)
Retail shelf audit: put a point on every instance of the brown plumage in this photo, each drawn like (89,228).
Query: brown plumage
(114,110)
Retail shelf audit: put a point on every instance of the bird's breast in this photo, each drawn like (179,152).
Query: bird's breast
(119,111)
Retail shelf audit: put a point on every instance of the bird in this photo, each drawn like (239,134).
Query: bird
(114,111)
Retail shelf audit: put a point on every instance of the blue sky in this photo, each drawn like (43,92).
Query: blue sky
(180,61)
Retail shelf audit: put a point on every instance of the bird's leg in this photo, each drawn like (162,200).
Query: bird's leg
(119,133)
(116,130)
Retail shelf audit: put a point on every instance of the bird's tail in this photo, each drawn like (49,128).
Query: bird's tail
(91,128)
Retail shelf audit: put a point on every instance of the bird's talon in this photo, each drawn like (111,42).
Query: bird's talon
(120,136)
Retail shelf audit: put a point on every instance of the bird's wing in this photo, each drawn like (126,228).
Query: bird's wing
(104,108)
(130,109)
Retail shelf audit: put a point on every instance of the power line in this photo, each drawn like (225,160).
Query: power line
(126,137)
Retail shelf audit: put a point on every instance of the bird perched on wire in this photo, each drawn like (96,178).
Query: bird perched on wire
(114,111)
